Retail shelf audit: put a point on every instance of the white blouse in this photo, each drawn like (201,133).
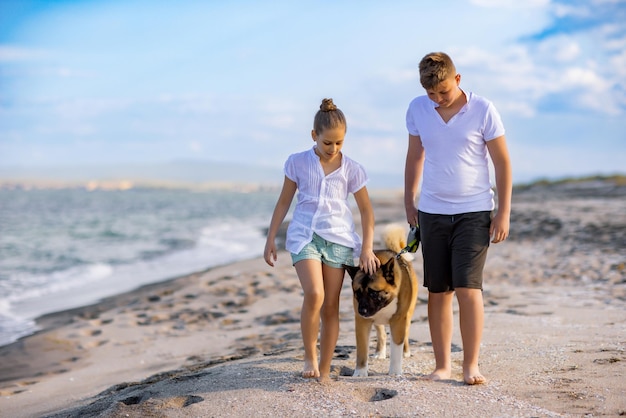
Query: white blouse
(322,201)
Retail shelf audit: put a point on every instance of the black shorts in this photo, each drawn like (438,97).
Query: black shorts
(454,249)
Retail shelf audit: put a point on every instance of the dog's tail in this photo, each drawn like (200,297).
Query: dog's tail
(394,237)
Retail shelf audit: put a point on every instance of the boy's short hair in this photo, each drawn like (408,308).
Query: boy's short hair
(435,68)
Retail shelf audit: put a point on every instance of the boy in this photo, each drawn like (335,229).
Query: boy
(450,134)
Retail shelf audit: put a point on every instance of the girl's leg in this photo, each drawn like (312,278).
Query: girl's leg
(440,321)
(471,318)
(310,276)
(333,281)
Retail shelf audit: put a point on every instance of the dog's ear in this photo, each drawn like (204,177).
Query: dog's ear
(387,270)
(352,270)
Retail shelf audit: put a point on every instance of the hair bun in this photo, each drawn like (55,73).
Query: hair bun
(327,105)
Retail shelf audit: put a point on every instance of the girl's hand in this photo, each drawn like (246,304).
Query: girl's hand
(368,262)
(270,252)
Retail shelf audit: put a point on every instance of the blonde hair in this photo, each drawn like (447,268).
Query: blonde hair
(328,117)
(435,68)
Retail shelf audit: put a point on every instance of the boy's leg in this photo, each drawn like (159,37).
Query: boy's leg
(310,276)
(440,321)
(333,281)
(469,254)
(471,318)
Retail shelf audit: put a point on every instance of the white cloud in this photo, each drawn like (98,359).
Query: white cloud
(588,65)
(511,4)
(376,152)
(195,146)
(561,48)
(75,129)
(616,45)
(521,109)
(576,77)
(195,105)
(86,108)
(399,75)
(562,10)
(282,121)
(618,64)
(11,53)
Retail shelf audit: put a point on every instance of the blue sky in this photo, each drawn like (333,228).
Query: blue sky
(101,82)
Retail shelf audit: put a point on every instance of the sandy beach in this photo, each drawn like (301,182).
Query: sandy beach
(226,342)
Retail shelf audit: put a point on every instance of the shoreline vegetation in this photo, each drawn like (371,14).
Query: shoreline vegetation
(226,341)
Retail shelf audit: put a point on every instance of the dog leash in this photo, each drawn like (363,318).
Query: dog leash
(413,241)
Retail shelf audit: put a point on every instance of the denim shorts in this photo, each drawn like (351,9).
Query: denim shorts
(454,249)
(329,253)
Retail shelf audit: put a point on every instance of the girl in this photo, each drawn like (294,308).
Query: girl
(321,235)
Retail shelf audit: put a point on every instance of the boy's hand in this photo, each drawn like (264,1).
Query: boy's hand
(411,215)
(499,229)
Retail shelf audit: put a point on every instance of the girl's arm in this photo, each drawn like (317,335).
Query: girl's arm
(280,211)
(368,261)
(499,154)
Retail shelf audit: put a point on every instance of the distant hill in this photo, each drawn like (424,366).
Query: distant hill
(590,186)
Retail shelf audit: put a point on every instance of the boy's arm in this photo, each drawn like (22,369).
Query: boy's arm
(368,261)
(412,173)
(499,230)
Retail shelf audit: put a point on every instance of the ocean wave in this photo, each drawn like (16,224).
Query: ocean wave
(107,243)
(30,296)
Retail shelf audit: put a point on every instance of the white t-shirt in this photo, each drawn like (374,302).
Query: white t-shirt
(456,168)
(322,201)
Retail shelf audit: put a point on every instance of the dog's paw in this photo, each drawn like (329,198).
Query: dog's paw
(395,371)
(360,373)
(380,354)
(406,354)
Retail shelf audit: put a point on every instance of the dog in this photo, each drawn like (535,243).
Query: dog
(387,297)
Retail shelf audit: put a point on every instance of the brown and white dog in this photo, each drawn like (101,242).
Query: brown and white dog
(387,297)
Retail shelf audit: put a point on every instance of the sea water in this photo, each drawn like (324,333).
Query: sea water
(66,248)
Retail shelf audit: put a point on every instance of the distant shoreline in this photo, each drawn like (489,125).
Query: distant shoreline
(128,184)
(122,185)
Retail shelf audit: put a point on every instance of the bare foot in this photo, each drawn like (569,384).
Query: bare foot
(439,374)
(324,379)
(472,376)
(310,370)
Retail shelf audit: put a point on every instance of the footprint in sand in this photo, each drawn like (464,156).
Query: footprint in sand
(21,387)
(92,344)
(91,332)
(609,360)
(100,322)
(230,321)
(278,318)
(155,404)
